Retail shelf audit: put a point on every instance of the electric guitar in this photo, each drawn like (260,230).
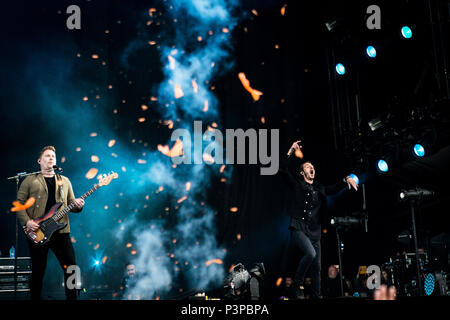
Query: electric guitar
(48,223)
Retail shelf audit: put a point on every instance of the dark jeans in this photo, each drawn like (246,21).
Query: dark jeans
(310,260)
(61,245)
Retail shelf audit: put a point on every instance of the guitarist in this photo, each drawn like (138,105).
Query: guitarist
(48,188)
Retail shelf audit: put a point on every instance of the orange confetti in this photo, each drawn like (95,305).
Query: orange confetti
(178,92)
(208,158)
(94,159)
(255,12)
(188,186)
(283,9)
(18,206)
(205,106)
(144,107)
(95,56)
(263,120)
(85,98)
(153,98)
(222,168)
(141,161)
(171,62)
(255,93)
(217,261)
(299,154)
(142,119)
(133,252)
(96,246)
(225,30)
(195,86)
(234,209)
(63,159)
(150,11)
(111,143)
(91,173)
(93,134)
(279,280)
(104,259)
(177,149)
(152,43)
(129,245)
(182,199)
(238,236)
(169,123)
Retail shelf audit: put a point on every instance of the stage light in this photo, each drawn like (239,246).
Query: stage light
(354,177)
(419,150)
(406,32)
(371,52)
(429,284)
(340,69)
(382,166)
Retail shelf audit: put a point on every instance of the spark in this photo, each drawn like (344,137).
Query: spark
(91,173)
(255,93)
(177,149)
(178,92)
(217,261)
(94,158)
(18,206)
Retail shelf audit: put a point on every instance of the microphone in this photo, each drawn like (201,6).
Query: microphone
(417,193)
(56,168)
(345,221)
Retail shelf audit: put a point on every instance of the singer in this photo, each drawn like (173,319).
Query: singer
(48,188)
(307,211)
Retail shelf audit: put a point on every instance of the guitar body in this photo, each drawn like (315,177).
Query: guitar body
(47,226)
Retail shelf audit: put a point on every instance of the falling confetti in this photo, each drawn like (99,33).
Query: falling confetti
(205,106)
(255,93)
(95,56)
(182,199)
(283,9)
(279,280)
(18,206)
(217,261)
(188,186)
(177,149)
(171,62)
(94,159)
(111,143)
(234,209)
(178,92)
(144,107)
(299,154)
(91,173)
(195,86)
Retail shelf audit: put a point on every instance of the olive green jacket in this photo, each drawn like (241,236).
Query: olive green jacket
(35,186)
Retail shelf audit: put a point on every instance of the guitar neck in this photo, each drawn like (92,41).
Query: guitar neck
(67,209)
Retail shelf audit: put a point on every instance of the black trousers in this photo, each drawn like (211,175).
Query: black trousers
(310,260)
(61,245)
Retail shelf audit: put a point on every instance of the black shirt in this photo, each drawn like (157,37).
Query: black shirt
(51,193)
(308,207)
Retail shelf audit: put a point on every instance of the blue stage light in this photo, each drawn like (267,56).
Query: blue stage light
(354,177)
(419,150)
(371,52)
(406,32)
(340,69)
(429,284)
(382,166)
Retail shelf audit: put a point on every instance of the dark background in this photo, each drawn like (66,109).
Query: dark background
(290,58)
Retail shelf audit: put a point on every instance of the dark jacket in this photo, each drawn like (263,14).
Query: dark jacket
(301,216)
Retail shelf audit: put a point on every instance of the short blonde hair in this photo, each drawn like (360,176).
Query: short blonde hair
(46,148)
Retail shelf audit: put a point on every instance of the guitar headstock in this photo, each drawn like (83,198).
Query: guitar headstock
(104,180)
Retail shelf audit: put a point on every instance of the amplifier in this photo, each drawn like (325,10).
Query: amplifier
(19,289)
(23,264)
